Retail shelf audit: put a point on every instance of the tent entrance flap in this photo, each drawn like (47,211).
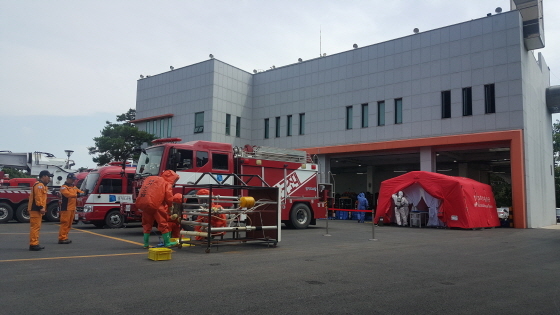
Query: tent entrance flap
(417,196)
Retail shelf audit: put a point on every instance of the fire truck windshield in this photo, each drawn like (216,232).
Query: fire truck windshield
(89,182)
(150,161)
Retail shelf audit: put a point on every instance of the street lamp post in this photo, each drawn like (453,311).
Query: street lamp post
(68,153)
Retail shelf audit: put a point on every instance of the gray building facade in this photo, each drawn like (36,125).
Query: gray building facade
(465,100)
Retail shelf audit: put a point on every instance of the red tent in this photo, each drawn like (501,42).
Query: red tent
(464,203)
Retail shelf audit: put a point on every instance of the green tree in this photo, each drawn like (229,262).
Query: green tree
(15,173)
(502,191)
(556,140)
(119,140)
(556,152)
(128,116)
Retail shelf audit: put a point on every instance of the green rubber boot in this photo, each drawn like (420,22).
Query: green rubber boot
(146,240)
(167,240)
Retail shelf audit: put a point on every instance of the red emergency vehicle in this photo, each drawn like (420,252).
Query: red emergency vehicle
(6,181)
(14,197)
(303,199)
(106,188)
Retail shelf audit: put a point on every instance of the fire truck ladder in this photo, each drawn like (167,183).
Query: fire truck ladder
(239,177)
(275,154)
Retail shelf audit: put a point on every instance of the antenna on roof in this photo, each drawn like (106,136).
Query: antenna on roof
(320,41)
(416,30)
(498,10)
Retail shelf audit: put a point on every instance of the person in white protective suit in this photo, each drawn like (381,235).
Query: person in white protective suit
(401,209)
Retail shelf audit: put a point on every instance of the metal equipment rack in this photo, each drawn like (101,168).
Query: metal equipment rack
(259,223)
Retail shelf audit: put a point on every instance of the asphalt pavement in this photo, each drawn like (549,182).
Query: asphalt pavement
(404,271)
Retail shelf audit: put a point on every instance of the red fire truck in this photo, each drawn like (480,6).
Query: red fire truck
(13,204)
(6,181)
(303,199)
(107,187)
(14,193)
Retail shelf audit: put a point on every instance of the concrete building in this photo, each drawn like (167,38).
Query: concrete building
(470,99)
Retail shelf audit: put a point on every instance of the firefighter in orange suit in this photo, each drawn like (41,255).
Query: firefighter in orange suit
(69,194)
(161,213)
(37,207)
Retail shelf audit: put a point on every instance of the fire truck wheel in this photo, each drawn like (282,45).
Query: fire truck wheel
(114,219)
(52,214)
(22,215)
(300,217)
(6,212)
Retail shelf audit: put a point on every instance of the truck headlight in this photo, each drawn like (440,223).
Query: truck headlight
(88,208)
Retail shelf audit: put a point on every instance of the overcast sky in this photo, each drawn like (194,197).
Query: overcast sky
(68,66)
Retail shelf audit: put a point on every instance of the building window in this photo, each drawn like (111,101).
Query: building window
(467,101)
(302,123)
(266,127)
(199,122)
(489,99)
(238,126)
(228,124)
(446,104)
(160,128)
(277,127)
(289,126)
(398,111)
(381,113)
(169,127)
(365,113)
(349,117)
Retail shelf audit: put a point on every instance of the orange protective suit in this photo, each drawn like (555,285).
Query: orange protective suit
(216,220)
(174,227)
(37,200)
(175,224)
(160,188)
(67,209)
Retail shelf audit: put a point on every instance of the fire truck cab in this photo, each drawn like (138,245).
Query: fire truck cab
(106,188)
(302,201)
